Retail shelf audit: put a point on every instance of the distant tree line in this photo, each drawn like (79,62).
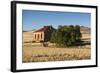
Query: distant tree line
(66,36)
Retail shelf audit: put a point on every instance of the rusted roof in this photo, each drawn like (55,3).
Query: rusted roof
(44,28)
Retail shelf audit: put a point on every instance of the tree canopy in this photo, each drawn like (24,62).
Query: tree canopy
(66,35)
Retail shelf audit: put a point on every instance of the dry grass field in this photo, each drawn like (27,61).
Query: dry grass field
(43,54)
(35,52)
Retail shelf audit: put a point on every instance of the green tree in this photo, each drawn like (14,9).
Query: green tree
(66,35)
(78,33)
(54,37)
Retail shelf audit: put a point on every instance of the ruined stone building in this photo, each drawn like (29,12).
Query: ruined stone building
(43,34)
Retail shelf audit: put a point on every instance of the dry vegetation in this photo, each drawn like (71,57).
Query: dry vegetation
(40,54)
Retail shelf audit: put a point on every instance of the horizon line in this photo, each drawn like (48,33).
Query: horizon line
(54,27)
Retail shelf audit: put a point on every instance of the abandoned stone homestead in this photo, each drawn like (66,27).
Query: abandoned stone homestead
(43,34)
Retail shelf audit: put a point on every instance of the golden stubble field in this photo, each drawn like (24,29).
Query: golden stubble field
(43,54)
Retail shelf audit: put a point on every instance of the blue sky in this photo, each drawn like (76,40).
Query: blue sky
(32,19)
